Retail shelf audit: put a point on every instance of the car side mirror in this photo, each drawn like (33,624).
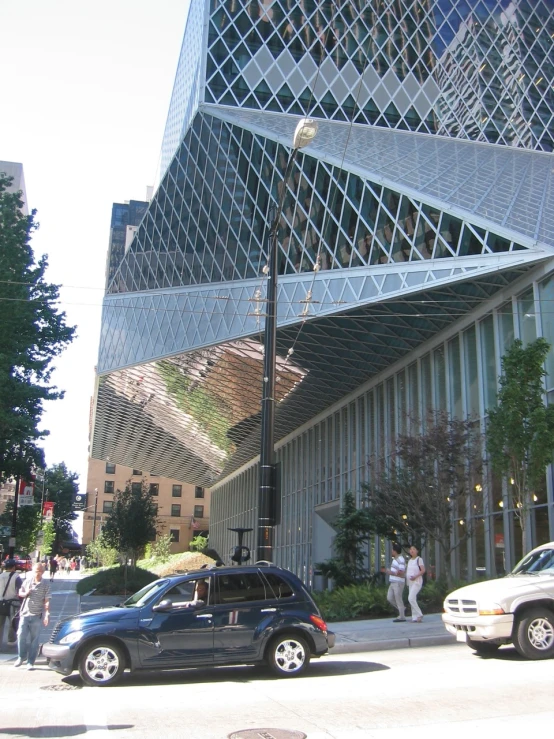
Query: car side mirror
(163,605)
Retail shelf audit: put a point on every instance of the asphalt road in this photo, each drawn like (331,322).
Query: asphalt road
(416,693)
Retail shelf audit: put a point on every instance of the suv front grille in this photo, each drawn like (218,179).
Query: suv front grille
(463,607)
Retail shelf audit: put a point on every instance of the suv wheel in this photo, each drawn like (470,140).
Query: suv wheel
(483,647)
(101,664)
(288,655)
(534,634)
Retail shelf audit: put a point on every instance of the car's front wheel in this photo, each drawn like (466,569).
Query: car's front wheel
(288,655)
(483,647)
(101,664)
(534,634)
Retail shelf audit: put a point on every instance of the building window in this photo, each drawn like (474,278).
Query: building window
(154,488)
(175,509)
(176,491)
(110,468)
(198,511)
(174,534)
(136,488)
(137,472)
(107,506)
(155,508)
(109,486)
(198,492)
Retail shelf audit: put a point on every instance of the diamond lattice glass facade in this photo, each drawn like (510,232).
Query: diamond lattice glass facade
(415,244)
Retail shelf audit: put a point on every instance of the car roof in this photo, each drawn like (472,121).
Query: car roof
(228,569)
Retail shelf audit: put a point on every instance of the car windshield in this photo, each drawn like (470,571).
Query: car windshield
(535,562)
(145,595)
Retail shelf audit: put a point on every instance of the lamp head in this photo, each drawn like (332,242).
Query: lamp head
(305,133)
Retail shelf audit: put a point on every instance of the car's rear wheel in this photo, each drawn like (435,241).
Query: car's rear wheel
(483,647)
(534,634)
(288,655)
(101,664)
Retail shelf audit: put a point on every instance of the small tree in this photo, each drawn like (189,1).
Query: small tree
(198,543)
(48,537)
(520,433)
(131,523)
(354,527)
(99,551)
(428,486)
(161,548)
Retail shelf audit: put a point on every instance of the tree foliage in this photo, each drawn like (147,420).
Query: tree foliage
(520,433)
(430,486)
(131,523)
(354,527)
(48,537)
(28,526)
(60,487)
(32,333)
(101,552)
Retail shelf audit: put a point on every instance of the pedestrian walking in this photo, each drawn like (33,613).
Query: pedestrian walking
(35,608)
(53,567)
(397,581)
(10,582)
(414,577)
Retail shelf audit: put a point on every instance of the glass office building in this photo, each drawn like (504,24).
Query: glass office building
(414,246)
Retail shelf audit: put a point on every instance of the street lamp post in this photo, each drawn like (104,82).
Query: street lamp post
(95,509)
(304,134)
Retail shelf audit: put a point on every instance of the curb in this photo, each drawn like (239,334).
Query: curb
(405,643)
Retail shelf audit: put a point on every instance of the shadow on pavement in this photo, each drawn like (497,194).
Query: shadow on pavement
(53,731)
(506,654)
(238,674)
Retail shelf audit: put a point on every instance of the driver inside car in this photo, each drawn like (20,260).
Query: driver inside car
(199,598)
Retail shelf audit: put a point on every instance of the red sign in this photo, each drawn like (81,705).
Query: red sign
(48,510)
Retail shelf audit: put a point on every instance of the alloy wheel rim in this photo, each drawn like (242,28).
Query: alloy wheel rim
(290,655)
(102,664)
(541,634)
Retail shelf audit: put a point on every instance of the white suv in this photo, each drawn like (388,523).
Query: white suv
(517,609)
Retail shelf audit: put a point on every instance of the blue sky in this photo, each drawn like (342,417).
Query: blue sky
(84,90)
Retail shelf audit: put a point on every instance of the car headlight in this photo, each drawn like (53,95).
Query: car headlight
(72,637)
(490,609)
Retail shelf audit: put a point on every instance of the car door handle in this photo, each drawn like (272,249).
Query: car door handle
(268,610)
(204,615)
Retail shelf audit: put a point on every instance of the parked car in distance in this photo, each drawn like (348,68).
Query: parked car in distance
(221,616)
(23,562)
(517,609)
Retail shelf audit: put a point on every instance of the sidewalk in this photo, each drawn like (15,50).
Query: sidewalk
(351,636)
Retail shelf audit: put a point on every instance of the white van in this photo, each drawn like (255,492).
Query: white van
(517,609)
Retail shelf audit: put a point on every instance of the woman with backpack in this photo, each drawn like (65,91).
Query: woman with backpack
(414,578)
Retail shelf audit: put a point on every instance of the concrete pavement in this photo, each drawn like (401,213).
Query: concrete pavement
(351,636)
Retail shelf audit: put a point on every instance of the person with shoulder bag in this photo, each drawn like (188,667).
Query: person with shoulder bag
(414,578)
(10,582)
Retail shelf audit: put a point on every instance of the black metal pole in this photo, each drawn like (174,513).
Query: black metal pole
(95,508)
(267,492)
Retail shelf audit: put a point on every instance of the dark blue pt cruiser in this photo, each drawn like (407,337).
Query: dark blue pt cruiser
(220,616)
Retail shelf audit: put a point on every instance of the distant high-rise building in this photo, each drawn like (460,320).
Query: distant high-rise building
(15,170)
(125,220)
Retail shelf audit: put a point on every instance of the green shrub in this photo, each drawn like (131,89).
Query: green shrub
(370,601)
(114,581)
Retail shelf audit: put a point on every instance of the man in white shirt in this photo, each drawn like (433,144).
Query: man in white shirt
(397,574)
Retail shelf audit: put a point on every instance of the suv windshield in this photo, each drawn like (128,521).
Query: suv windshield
(145,594)
(541,561)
